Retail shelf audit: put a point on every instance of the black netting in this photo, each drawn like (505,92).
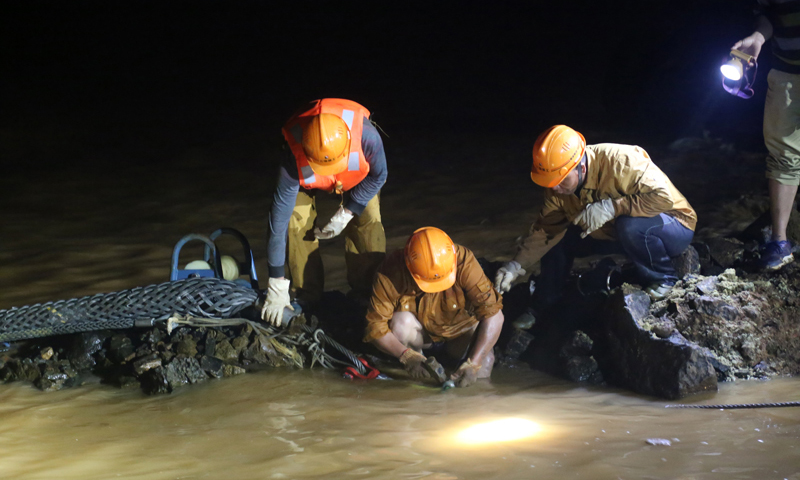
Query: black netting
(200,297)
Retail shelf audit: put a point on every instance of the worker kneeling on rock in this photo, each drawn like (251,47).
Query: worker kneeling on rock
(336,149)
(597,194)
(431,294)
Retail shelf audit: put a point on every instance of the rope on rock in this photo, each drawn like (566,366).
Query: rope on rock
(738,406)
(201,297)
(309,338)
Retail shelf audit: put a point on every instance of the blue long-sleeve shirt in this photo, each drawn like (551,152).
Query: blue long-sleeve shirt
(289,185)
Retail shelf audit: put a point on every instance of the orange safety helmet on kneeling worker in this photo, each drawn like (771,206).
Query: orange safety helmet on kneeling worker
(431,259)
(556,152)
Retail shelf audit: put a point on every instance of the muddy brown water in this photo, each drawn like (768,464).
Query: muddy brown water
(68,235)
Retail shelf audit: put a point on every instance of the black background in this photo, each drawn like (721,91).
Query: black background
(152,78)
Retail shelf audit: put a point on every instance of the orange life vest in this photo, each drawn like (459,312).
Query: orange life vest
(357,167)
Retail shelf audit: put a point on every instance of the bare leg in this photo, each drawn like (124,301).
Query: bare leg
(407,329)
(781,199)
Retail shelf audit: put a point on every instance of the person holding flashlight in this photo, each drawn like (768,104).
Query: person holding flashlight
(780,21)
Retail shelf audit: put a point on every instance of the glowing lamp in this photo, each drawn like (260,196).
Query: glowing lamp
(504,430)
(732,69)
(738,74)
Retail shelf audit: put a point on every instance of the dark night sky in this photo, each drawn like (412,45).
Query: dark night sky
(201,71)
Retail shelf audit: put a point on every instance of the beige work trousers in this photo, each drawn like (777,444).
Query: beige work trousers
(365,248)
(782,127)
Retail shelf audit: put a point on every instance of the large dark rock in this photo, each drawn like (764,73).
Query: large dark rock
(687,263)
(84,346)
(726,252)
(633,358)
(181,371)
(212,366)
(120,348)
(518,343)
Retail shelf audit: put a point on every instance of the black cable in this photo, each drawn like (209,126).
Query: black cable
(738,405)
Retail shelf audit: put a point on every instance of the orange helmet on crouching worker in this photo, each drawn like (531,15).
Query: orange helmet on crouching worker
(431,259)
(326,143)
(556,152)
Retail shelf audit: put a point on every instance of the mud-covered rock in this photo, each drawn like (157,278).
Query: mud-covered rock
(187,347)
(232,370)
(225,352)
(240,343)
(745,322)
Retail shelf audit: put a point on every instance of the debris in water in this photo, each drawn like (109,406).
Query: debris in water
(659,441)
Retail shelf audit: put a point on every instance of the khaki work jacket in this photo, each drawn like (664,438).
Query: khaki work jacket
(623,173)
(444,315)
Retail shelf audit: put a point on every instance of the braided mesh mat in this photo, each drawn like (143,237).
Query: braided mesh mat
(200,297)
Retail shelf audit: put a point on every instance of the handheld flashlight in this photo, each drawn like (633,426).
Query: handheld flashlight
(738,74)
(733,69)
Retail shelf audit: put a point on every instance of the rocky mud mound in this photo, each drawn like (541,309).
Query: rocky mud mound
(152,359)
(748,322)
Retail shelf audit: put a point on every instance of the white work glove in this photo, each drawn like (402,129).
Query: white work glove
(339,220)
(506,276)
(594,216)
(277,300)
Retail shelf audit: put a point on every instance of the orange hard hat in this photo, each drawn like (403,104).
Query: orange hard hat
(326,143)
(431,259)
(556,152)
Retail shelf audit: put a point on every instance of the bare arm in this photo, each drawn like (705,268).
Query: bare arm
(389,344)
(486,337)
(752,44)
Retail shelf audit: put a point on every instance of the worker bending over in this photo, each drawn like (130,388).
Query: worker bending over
(435,292)
(336,149)
(597,194)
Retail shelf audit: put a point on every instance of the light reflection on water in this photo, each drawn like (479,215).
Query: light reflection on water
(312,424)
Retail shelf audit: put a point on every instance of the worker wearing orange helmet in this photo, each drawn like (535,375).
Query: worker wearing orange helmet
(435,292)
(336,149)
(598,194)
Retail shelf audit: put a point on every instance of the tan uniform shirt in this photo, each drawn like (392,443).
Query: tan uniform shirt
(444,315)
(623,173)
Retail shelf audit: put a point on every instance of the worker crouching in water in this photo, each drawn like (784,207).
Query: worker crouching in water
(596,194)
(434,292)
(336,149)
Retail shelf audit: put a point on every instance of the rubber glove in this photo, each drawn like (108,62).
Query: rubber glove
(339,220)
(594,216)
(277,300)
(466,374)
(413,361)
(506,275)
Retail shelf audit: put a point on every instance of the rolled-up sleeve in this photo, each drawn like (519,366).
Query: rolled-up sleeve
(481,295)
(545,233)
(381,308)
